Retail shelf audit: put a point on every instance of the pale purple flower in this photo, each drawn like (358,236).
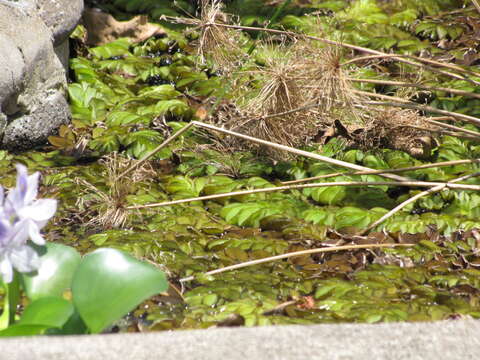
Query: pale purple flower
(21,204)
(22,216)
(14,251)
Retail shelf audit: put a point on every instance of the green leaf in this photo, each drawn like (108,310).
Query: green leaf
(351,216)
(319,216)
(51,311)
(174,107)
(106,143)
(143,142)
(24,330)
(118,118)
(184,187)
(115,48)
(329,195)
(251,214)
(55,273)
(159,92)
(109,283)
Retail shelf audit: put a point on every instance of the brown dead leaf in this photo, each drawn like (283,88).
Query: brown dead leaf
(102,28)
(232,320)
(307,303)
(201,113)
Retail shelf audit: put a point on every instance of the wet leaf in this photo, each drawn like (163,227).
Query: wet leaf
(109,283)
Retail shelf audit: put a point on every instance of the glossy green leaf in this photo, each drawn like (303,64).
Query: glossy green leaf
(329,195)
(109,283)
(51,311)
(24,330)
(54,276)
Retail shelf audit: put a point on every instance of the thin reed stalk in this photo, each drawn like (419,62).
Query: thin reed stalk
(415,198)
(296,253)
(418,86)
(309,186)
(376,172)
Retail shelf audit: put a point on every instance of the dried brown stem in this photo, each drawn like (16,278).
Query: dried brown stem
(454,128)
(294,151)
(155,151)
(422,60)
(308,186)
(401,58)
(458,116)
(415,198)
(399,102)
(296,253)
(477,5)
(368,57)
(418,86)
(376,172)
(445,132)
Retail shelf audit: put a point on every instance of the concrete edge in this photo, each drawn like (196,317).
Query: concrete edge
(437,340)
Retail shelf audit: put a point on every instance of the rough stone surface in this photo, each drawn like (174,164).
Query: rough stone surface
(32,78)
(403,341)
(61,16)
(27,130)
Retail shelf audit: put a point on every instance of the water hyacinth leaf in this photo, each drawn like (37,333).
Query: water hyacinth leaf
(50,311)
(109,283)
(54,275)
(24,330)
(74,325)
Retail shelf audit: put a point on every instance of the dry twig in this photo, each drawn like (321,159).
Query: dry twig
(415,198)
(296,253)
(399,102)
(309,186)
(418,86)
(376,172)
(476,4)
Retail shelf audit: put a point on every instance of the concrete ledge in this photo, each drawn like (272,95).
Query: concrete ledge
(422,341)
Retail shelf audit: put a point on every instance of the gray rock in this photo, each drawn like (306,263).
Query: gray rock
(29,130)
(32,77)
(61,16)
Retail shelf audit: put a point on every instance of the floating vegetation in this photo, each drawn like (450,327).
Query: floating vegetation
(327,78)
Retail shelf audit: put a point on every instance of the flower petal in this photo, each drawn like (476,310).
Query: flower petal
(25,259)
(39,211)
(19,234)
(32,188)
(22,180)
(34,233)
(5,229)
(6,269)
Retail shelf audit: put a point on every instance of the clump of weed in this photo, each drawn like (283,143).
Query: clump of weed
(400,129)
(286,95)
(216,43)
(328,83)
(104,207)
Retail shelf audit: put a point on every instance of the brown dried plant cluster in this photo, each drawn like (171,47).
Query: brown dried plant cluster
(299,86)
(219,44)
(400,129)
(106,208)
(296,89)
